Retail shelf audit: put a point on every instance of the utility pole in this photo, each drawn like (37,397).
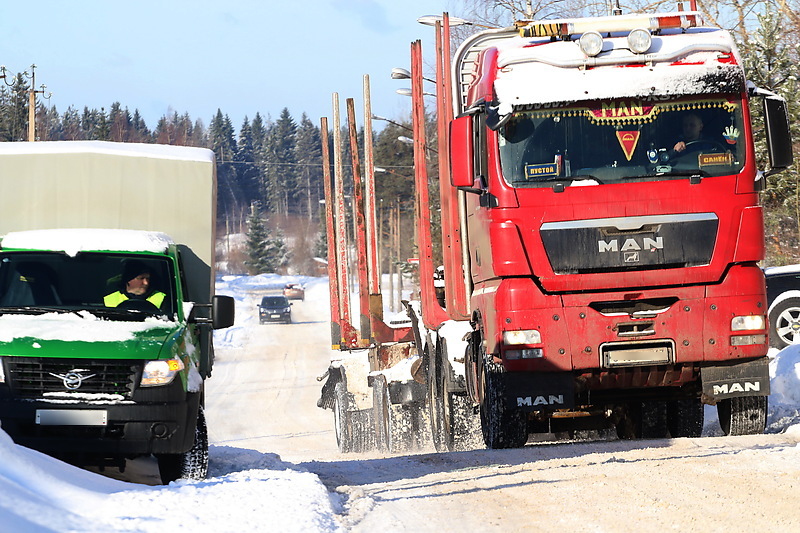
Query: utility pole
(32,92)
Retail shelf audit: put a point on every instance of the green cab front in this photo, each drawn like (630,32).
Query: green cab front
(88,368)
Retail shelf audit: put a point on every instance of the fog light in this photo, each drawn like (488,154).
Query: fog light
(591,43)
(525,353)
(748,323)
(746,340)
(639,41)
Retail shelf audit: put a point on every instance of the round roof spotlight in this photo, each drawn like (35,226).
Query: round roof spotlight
(591,43)
(639,41)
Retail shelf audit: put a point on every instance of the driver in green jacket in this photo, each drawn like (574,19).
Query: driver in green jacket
(136,278)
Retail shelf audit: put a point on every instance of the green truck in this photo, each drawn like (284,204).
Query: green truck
(107,305)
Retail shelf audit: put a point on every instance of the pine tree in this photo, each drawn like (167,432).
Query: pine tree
(771,64)
(247,173)
(277,252)
(279,164)
(230,202)
(257,241)
(309,159)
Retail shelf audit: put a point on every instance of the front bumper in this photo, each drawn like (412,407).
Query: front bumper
(129,428)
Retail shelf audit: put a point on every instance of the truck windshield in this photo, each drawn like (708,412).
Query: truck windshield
(39,282)
(616,141)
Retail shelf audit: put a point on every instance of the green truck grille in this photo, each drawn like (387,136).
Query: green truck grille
(35,377)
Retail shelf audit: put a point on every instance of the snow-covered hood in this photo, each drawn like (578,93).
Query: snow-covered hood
(85,336)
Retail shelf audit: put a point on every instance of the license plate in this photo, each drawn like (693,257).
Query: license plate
(643,356)
(274,316)
(71,417)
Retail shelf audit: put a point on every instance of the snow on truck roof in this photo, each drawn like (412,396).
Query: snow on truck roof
(535,70)
(156,151)
(71,241)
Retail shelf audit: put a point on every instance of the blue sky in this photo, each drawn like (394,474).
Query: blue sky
(241,56)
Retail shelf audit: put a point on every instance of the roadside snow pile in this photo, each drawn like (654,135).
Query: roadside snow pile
(246,491)
(784,400)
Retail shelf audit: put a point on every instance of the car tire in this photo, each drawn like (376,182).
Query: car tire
(784,323)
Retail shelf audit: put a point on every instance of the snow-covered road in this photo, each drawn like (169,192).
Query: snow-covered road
(711,483)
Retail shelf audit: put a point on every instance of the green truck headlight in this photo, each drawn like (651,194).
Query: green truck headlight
(160,372)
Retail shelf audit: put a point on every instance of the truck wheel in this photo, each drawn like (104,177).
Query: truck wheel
(654,419)
(502,426)
(784,323)
(743,415)
(192,464)
(439,402)
(342,423)
(643,420)
(685,417)
(391,425)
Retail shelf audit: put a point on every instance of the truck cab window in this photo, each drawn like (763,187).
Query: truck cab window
(623,141)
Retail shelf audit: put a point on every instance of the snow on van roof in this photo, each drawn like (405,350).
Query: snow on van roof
(529,73)
(156,151)
(71,241)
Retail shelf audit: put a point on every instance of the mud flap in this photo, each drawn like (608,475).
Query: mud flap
(539,391)
(731,381)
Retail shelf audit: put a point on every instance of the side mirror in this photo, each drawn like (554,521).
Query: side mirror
(779,137)
(462,152)
(223,310)
(497,116)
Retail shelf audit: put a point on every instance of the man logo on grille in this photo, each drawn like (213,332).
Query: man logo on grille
(73,379)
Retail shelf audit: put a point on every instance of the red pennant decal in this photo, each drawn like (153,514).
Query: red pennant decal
(628,141)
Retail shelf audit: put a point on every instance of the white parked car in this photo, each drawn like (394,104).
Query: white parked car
(783,301)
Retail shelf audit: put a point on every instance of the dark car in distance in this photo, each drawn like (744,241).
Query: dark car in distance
(783,303)
(275,309)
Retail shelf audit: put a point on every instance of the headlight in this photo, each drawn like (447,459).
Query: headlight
(748,323)
(591,43)
(2,372)
(523,336)
(160,372)
(639,41)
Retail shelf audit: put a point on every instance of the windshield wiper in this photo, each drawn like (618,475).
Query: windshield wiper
(35,310)
(688,172)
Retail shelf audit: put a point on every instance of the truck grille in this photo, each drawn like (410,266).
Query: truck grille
(33,377)
(630,243)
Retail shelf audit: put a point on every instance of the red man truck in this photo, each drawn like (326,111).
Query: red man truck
(601,232)
(604,180)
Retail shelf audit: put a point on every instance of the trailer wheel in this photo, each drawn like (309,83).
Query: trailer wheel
(342,423)
(743,415)
(502,426)
(784,323)
(192,464)
(440,409)
(382,414)
(685,417)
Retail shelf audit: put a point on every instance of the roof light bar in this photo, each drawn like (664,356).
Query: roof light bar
(566,27)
